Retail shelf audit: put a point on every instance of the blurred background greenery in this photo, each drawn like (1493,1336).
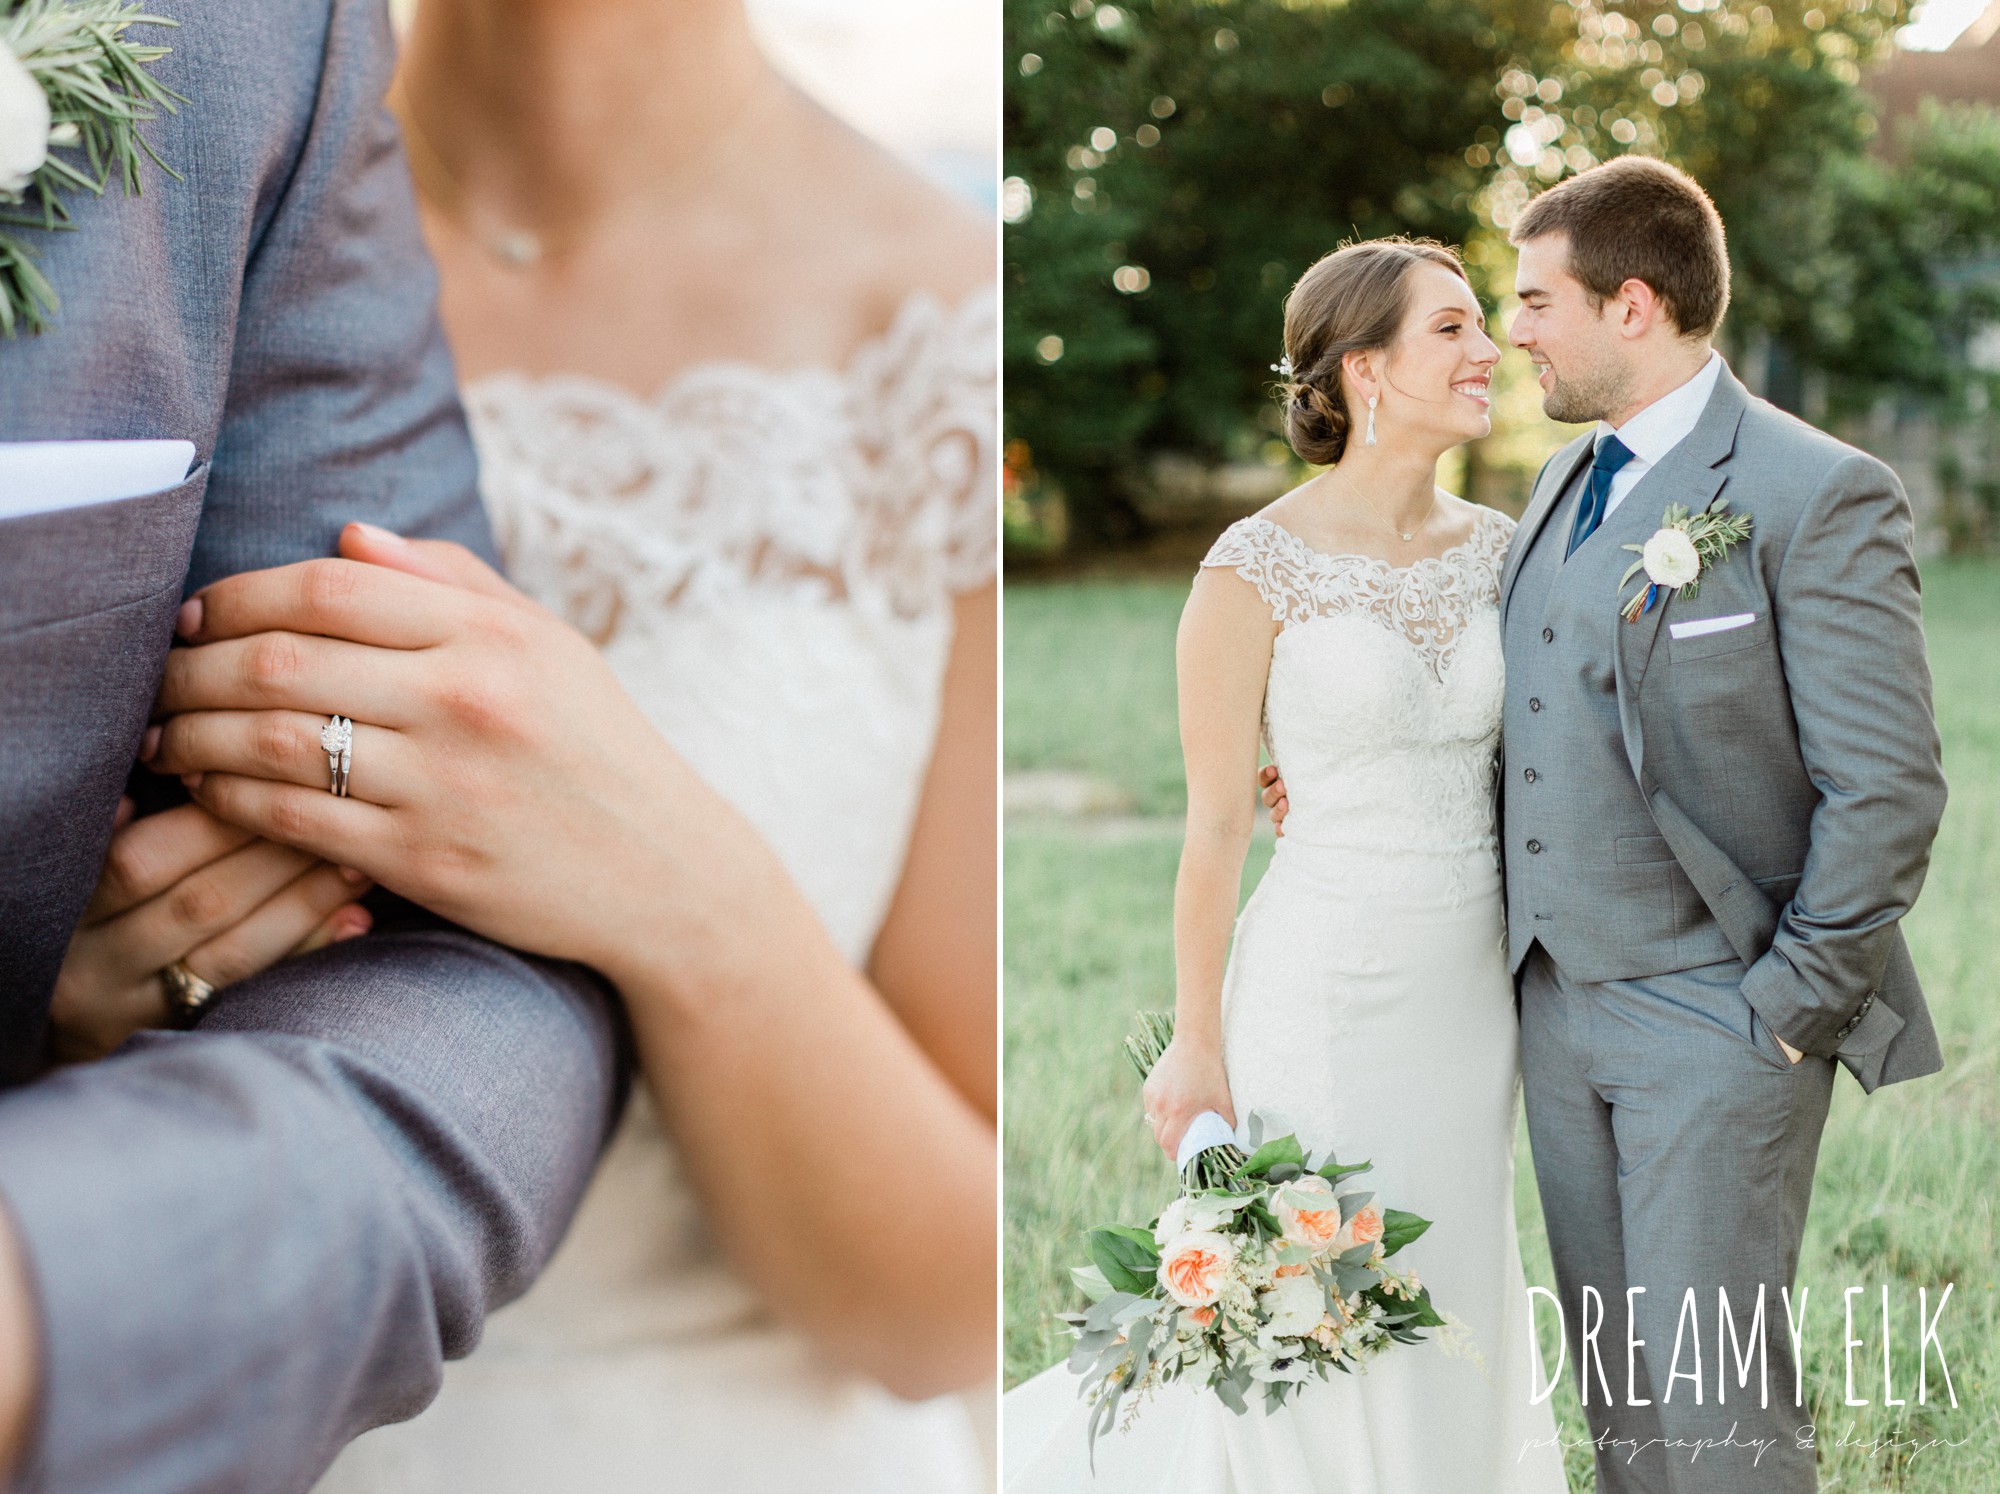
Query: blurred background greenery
(1172,166)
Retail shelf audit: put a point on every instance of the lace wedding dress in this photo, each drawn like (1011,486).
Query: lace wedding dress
(768,560)
(1366,1006)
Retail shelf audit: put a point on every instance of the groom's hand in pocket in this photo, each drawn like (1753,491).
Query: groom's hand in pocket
(1272,793)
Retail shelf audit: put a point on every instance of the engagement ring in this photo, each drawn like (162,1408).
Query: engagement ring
(188,995)
(337,738)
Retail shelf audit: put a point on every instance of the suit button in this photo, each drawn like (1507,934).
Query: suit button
(1530,774)
(1534,704)
(1534,848)
(1548,635)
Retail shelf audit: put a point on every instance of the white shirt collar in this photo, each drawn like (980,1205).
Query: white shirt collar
(1666,422)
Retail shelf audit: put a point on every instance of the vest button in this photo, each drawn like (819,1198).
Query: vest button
(1534,704)
(1534,848)
(1530,775)
(1548,635)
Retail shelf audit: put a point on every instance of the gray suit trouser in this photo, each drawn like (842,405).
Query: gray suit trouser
(1670,1176)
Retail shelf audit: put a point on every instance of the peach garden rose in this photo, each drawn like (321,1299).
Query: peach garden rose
(1314,1228)
(1194,1267)
(1365,1228)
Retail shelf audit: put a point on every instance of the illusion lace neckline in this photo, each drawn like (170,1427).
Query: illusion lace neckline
(918,308)
(1480,521)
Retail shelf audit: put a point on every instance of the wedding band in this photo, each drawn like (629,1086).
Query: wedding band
(336,738)
(1146,1118)
(188,995)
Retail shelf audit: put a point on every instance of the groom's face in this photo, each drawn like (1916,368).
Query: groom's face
(1579,358)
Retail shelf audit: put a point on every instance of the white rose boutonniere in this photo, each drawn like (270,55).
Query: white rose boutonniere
(73,92)
(24,125)
(1680,551)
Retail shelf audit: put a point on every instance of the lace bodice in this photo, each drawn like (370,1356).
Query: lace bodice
(870,485)
(768,559)
(1382,709)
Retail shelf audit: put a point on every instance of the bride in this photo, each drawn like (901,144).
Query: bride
(731,374)
(1366,1003)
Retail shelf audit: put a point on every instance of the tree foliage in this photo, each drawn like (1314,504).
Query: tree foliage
(1174,168)
(1175,164)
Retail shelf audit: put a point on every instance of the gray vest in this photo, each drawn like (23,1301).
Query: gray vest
(1588,874)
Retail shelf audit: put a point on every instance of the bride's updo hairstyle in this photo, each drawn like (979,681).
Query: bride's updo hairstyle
(1351,301)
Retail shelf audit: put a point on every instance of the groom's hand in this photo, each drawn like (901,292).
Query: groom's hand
(1273,795)
(18,1334)
(1790,1052)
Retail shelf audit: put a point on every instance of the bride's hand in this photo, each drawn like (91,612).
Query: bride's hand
(500,774)
(1187,1080)
(184,886)
(1272,793)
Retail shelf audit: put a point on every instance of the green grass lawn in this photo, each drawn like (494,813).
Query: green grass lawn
(1907,1178)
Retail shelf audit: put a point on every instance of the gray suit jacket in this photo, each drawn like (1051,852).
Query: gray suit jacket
(1791,766)
(254,1241)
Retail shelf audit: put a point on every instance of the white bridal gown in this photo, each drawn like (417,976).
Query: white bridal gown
(1367,1006)
(768,559)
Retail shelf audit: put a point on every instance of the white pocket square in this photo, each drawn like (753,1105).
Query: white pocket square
(1694,628)
(39,476)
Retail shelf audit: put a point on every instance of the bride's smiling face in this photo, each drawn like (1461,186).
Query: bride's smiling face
(1434,379)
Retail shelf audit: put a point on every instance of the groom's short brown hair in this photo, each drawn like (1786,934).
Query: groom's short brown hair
(1635,218)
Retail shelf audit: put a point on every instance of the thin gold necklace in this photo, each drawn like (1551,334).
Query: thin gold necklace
(510,243)
(1405,538)
(515,246)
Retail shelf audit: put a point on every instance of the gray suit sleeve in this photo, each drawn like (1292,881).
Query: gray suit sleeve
(342,401)
(1850,633)
(251,1242)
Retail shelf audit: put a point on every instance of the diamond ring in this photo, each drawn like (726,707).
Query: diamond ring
(337,739)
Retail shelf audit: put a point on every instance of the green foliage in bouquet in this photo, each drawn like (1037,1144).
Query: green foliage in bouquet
(1299,1271)
(99,93)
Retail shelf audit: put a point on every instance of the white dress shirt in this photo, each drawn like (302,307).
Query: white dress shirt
(1658,429)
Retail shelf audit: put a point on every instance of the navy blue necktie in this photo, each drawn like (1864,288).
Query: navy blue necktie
(1612,454)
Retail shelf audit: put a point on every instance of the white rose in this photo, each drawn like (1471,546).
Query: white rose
(1296,1305)
(24,124)
(1670,558)
(1185,1213)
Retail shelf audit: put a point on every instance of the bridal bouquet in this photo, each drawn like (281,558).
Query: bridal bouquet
(1266,1271)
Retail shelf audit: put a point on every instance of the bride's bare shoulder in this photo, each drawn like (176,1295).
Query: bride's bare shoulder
(1469,518)
(904,233)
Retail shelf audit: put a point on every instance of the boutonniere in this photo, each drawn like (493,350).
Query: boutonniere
(73,92)
(1681,549)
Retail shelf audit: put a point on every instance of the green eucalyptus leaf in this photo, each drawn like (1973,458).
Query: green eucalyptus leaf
(1127,1256)
(1279,1150)
(1400,1228)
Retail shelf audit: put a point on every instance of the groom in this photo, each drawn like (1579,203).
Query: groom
(1714,818)
(223,1253)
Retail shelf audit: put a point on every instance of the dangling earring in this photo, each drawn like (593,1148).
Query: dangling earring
(1369,439)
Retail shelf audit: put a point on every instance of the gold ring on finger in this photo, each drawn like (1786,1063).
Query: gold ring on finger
(188,995)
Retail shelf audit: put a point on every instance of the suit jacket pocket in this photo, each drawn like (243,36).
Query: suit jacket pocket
(1642,850)
(1758,634)
(75,561)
